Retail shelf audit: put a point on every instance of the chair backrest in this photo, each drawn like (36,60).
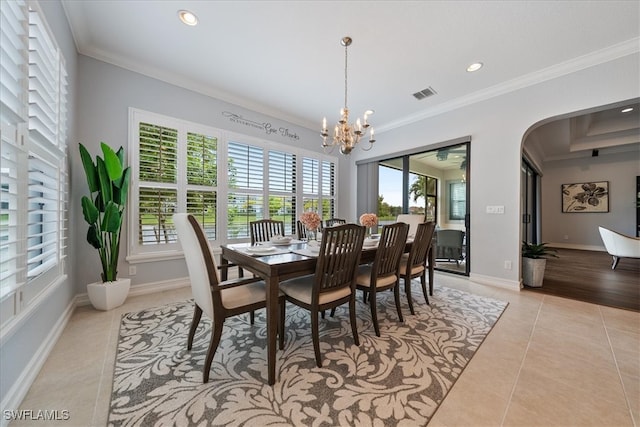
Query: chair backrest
(334,221)
(412,220)
(264,229)
(390,248)
(302,230)
(450,238)
(338,259)
(200,262)
(421,244)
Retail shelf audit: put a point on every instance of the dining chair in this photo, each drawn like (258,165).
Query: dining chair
(333,283)
(414,264)
(264,229)
(413,220)
(334,221)
(382,274)
(302,230)
(218,300)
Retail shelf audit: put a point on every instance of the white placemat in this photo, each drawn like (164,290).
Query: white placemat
(263,250)
(306,252)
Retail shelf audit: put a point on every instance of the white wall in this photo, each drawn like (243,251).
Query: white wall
(105,94)
(581,229)
(497,127)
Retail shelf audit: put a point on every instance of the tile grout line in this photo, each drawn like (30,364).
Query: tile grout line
(615,361)
(524,357)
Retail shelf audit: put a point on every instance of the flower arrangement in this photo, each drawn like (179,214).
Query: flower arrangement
(311,220)
(369,219)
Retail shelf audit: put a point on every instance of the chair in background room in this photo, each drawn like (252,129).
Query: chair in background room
(333,283)
(334,221)
(264,229)
(412,221)
(382,275)
(449,245)
(414,264)
(619,245)
(218,300)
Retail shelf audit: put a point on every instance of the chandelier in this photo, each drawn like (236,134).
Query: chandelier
(346,135)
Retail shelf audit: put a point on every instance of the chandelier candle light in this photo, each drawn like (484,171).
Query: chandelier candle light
(346,134)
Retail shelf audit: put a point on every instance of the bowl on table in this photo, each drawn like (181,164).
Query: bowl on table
(280,240)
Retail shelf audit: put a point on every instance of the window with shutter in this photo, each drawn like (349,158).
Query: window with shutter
(282,189)
(33,162)
(457,200)
(225,180)
(245,203)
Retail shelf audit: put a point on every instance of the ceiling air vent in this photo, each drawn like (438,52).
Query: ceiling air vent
(424,93)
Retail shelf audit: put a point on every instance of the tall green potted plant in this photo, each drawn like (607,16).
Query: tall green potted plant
(108,182)
(534,262)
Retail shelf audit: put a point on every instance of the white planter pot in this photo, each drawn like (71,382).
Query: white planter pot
(108,295)
(533,271)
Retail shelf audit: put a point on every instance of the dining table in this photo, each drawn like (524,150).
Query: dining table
(279,263)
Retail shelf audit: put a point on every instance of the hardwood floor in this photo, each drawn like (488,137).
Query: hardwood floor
(587,276)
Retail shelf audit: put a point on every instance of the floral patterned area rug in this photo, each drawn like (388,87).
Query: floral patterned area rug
(399,378)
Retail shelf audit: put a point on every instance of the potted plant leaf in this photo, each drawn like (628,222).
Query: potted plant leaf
(534,262)
(108,182)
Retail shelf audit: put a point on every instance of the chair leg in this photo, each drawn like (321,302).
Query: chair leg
(396,294)
(322,314)
(333,312)
(197,315)
(282,302)
(352,319)
(374,313)
(316,338)
(424,288)
(407,290)
(615,262)
(216,333)
(252,317)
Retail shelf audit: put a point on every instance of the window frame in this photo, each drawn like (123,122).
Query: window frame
(136,253)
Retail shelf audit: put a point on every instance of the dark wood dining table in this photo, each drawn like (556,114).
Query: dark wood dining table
(279,267)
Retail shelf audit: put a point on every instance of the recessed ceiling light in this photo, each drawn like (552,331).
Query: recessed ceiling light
(474,67)
(188,17)
(627,110)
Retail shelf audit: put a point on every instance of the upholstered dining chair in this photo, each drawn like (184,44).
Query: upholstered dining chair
(382,274)
(414,264)
(412,220)
(218,300)
(333,283)
(334,221)
(264,229)
(302,230)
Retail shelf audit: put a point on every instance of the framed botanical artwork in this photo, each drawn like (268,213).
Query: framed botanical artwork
(585,197)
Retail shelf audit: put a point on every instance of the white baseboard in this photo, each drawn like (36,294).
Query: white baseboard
(144,289)
(21,386)
(496,281)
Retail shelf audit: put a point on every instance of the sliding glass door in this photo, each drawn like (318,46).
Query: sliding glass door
(433,184)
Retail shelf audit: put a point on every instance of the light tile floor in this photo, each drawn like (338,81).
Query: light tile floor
(548,362)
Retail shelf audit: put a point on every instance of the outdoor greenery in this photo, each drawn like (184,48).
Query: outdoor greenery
(108,182)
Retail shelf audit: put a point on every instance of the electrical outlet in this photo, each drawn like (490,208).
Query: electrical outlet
(507,265)
(133,270)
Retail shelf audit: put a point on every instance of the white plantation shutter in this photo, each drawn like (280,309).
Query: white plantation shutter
(202,180)
(158,177)
(246,184)
(33,163)
(328,189)
(42,217)
(224,179)
(282,189)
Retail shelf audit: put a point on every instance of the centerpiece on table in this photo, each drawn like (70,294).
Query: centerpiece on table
(369,220)
(311,220)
